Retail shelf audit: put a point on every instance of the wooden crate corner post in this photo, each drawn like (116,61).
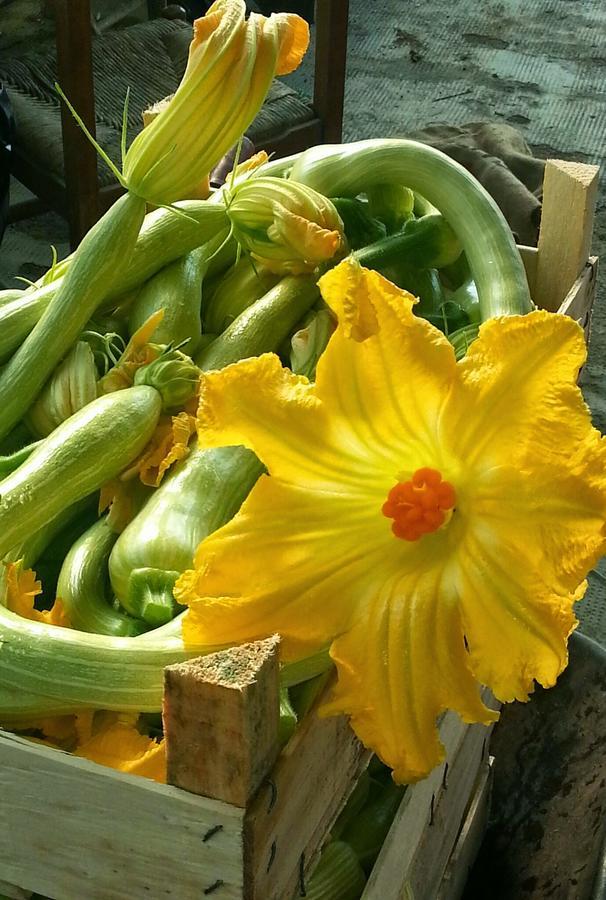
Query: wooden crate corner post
(569,198)
(221,717)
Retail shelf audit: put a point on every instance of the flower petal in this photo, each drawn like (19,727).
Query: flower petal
(230,68)
(284,564)
(518,391)
(553,518)
(122,747)
(401,664)
(516,627)
(22,588)
(261,405)
(388,385)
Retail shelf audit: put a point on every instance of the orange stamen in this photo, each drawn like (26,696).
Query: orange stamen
(419,506)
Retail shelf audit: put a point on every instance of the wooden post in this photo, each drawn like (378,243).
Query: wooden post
(569,197)
(221,715)
(330,65)
(75,77)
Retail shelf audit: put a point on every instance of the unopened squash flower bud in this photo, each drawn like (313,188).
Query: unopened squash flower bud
(287,226)
(174,375)
(232,61)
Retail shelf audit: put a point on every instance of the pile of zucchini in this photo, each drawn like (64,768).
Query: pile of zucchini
(110,342)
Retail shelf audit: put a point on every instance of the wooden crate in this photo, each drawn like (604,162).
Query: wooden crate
(239,820)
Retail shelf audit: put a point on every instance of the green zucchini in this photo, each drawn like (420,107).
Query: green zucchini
(203,492)
(361,227)
(367,832)
(276,313)
(97,265)
(83,586)
(426,243)
(165,235)
(33,548)
(393,204)
(235,292)
(19,315)
(288,718)
(338,875)
(494,260)
(12,461)
(88,449)
(177,289)
(206,489)
(10,294)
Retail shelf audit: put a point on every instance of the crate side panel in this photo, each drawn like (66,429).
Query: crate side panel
(450,806)
(296,807)
(469,840)
(74,829)
(395,860)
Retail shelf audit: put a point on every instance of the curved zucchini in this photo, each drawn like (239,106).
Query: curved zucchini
(203,492)
(177,289)
(97,265)
(83,586)
(349,169)
(254,331)
(81,454)
(235,292)
(425,243)
(207,488)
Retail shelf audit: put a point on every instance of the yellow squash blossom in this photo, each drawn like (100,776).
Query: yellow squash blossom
(430,520)
(118,744)
(232,61)
(22,588)
(286,226)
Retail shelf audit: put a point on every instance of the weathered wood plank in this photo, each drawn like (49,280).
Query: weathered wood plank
(76,829)
(450,805)
(295,809)
(469,840)
(580,299)
(221,716)
(569,197)
(10,892)
(529,259)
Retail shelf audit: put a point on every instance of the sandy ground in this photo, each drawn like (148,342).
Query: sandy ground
(539,65)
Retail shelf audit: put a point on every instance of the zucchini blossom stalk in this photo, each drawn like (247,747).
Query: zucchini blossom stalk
(286,226)
(232,61)
(420,515)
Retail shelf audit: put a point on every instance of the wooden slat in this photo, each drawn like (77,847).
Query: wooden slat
(450,806)
(529,258)
(425,828)
(580,299)
(79,830)
(10,892)
(469,840)
(569,196)
(295,809)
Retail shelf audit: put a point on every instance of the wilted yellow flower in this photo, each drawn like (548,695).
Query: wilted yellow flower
(232,62)
(287,226)
(430,520)
(22,588)
(119,745)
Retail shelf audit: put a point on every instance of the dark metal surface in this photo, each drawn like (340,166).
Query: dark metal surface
(546,833)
